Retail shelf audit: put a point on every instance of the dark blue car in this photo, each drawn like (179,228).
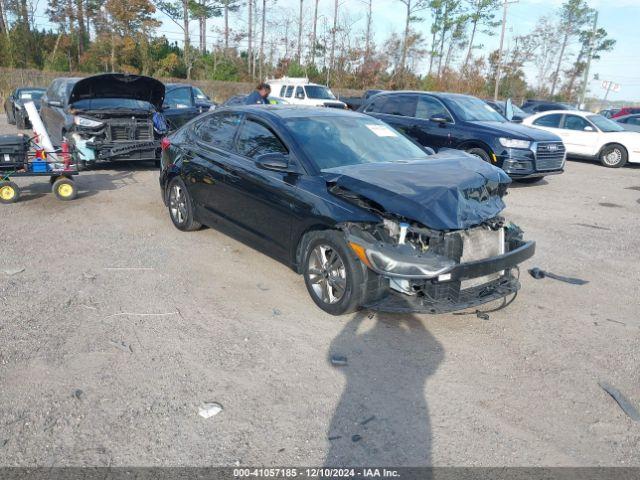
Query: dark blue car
(367,216)
(447,120)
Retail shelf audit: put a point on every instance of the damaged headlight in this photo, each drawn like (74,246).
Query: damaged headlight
(514,143)
(396,264)
(86,122)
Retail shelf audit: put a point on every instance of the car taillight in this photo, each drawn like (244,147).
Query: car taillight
(165,143)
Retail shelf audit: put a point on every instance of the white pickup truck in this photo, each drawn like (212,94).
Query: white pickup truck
(299,91)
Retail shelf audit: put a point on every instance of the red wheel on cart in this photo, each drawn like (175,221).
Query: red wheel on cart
(9,192)
(64,189)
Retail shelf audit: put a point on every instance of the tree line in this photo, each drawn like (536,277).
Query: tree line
(439,46)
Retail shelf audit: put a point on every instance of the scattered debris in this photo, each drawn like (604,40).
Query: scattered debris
(371,315)
(280,450)
(482,315)
(4,442)
(262,287)
(89,276)
(356,438)
(13,271)
(591,226)
(610,205)
(615,321)
(633,188)
(276,312)
(335,437)
(626,406)
(125,347)
(338,360)
(370,419)
(88,307)
(538,274)
(209,409)
(77,393)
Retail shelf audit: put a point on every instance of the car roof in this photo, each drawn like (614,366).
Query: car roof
(421,92)
(284,111)
(171,86)
(631,115)
(564,112)
(19,89)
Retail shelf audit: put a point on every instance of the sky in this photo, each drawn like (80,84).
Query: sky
(621,19)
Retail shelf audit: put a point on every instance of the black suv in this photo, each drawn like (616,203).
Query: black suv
(447,120)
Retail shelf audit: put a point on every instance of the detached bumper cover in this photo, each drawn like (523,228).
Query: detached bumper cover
(398,303)
(125,151)
(444,294)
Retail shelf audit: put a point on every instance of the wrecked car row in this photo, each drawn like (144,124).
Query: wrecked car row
(368,217)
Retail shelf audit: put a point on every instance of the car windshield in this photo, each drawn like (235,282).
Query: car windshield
(605,124)
(471,109)
(31,94)
(112,104)
(319,92)
(338,141)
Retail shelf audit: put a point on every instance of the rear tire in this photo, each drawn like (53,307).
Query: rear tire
(480,153)
(9,192)
(65,189)
(180,206)
(335,278)
(613,156)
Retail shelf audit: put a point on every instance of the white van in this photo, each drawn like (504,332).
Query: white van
(299,91)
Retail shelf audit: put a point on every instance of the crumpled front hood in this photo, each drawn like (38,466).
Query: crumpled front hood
(119,85)
(448,191)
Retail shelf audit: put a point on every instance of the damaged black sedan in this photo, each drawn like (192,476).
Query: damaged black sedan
(107,117)
(369,218)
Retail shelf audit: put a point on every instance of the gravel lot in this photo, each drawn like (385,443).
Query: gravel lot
(206,318)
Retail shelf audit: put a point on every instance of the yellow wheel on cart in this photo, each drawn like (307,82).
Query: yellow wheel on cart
(9,192)
(64,189)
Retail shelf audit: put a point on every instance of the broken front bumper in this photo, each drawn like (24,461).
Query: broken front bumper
(108,151)
(447,298)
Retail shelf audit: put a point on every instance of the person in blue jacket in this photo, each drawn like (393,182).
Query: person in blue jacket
(259,96)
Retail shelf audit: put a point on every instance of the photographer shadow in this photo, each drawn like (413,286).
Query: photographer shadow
(382,417)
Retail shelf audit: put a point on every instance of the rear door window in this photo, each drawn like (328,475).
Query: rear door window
(401,105)
(552,120)
(283,89)
(633,121)
(179,98)
(376,105)
(256,139)
(289,91)
(300,93)
(219,129)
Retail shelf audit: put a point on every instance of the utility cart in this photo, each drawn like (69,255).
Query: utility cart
(22,156)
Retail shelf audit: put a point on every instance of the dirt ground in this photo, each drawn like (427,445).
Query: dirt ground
(116,326)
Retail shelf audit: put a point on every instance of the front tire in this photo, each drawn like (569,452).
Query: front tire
(613,156)
(21,124)
(181,206)
(480,153)
(337,281)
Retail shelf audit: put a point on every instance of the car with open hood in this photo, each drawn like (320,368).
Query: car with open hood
(451,120)
(367,216)
(14,105)
(107,117)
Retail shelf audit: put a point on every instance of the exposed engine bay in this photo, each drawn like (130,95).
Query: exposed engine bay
(441,271)
(121,135)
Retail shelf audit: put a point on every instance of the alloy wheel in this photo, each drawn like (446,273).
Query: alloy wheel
(327,274)
(178,204)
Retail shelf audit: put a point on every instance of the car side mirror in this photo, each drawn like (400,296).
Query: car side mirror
(439,118)
(428,150)
(54,103)
(588,128)
(508,109)
(276,162)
